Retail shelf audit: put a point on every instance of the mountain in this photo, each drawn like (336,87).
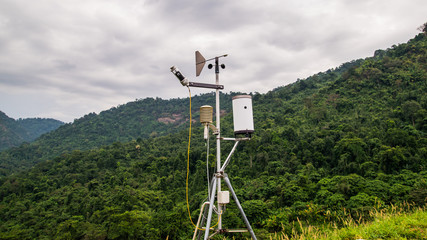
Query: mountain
(14,132)
(339,143)
(140,119)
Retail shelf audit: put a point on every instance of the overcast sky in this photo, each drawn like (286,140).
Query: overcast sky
(63,59)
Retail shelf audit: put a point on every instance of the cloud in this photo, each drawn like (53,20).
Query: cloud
(68,58)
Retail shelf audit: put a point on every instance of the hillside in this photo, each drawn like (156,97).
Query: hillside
(15,132)
(141,119)
(344,141)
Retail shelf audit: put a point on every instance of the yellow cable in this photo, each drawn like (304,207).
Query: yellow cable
(188,166)
(188,171)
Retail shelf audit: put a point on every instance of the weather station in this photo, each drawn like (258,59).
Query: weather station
(243,129)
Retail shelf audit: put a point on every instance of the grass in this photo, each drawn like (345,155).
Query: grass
(395,222)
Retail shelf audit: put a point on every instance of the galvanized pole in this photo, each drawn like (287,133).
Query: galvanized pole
(218,140)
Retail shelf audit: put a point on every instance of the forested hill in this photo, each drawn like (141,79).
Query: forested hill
(140,119)
(342,141)
(14,132)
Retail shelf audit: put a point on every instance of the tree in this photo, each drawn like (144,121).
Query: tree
(361,200)
(130,225)
(256,211)
(409,110)
(392,158)
(423,28)
(349,152)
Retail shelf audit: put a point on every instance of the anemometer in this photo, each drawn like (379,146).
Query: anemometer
(243,128)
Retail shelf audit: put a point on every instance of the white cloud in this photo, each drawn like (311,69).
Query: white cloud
(64,59)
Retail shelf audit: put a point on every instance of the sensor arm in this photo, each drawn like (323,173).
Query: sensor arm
(184,81)
(205,85)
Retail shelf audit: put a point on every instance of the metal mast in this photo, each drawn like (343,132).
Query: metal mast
(216,186)
(218,139)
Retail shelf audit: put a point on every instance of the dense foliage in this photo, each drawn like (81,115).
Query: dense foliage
(145,118)
(14,132)
(345,140)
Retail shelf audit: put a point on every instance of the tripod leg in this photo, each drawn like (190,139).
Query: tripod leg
(202,223)
(205,211)
(248,225)
(211,204)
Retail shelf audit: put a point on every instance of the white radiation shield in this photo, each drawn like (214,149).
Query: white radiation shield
(242,115)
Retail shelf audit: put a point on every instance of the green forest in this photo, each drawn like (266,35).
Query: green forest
(340,143)
(15,132)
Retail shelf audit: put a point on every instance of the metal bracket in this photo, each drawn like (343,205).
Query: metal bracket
(219,174)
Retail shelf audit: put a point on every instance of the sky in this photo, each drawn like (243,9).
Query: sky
(64,59)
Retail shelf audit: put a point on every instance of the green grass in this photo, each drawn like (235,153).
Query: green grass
(389,226)
(402,222)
